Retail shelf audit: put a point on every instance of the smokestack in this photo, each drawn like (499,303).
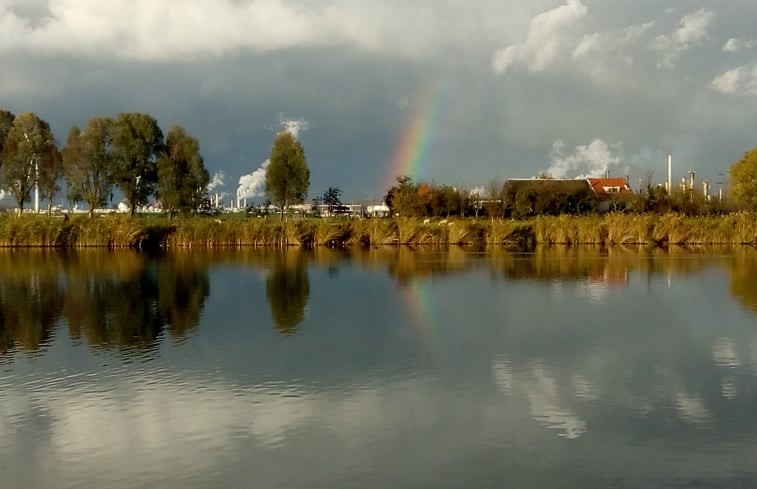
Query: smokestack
(691,179)
(706,189)
(670,173)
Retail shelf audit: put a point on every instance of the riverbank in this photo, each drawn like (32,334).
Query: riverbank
(120,231)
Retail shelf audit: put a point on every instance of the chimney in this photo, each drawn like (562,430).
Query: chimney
(670,174)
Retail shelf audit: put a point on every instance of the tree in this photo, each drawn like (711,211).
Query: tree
(331,198)
(49,174)
(182,177)
(28,146)
(494,197)
(6,122)
(402,198)
(287,177)
(744,181)
(137,144)
(88,162)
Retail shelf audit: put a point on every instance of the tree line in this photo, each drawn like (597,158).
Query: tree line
(128,152)
(543,196)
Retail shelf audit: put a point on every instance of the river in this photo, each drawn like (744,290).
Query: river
(392,367)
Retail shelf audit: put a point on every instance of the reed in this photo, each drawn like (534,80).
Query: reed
(567,229)
(119,231)
(629,228)
(372,232)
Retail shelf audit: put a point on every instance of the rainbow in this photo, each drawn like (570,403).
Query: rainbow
(411,154)
(417,299)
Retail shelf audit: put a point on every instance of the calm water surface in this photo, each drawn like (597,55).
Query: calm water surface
(393,368)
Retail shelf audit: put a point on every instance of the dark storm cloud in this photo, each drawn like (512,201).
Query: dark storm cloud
(640,79)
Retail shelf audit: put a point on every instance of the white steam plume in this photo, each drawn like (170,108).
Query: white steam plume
(216,181)
(592,160)
(294,126)
(253,185)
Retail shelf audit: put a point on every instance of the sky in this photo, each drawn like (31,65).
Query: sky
(458,93)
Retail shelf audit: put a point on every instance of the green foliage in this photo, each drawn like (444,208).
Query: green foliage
(137,144)
(331,197)
(49,174)
(6,122)
(402,199)
(545,197)
(287,177)
(744,181)
(88,162)
(29,146)
(182,177)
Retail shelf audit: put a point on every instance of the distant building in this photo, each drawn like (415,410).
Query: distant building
(377,210)
(550,196)
(607,188)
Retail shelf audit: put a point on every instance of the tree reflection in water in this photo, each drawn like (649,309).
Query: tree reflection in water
(743,270)
(287,289)
(30,303)
(119,300)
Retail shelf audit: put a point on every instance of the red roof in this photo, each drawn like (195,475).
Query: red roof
(605,187)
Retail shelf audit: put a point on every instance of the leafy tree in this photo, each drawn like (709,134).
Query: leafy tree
(182,177)
(744,181)
(402,198)
(88,162)
(6,122)
(137,144)
(493,203)
(50,173)
(28,146)
(331,198)
(287,177)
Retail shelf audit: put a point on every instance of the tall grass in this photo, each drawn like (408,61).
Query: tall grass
(119,231)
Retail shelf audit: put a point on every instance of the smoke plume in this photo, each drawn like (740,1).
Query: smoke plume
(253,185)
(592,160)
(216,181)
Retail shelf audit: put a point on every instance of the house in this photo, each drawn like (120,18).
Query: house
(606,188)
(610,190)
(550,196)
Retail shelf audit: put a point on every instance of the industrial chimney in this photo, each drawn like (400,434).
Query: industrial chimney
(670,174)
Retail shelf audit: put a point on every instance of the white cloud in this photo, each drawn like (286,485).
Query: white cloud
(294,126)
(692,29)
(591,160)
(544,41)
(160,30)
(611,40)
(738,81)
(734,45)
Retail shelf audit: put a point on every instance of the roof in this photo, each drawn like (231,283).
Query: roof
(604,188)
(565,185)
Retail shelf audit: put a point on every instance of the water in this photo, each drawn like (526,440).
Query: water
(561,368)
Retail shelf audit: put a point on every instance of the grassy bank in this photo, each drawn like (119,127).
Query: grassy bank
(119,231)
